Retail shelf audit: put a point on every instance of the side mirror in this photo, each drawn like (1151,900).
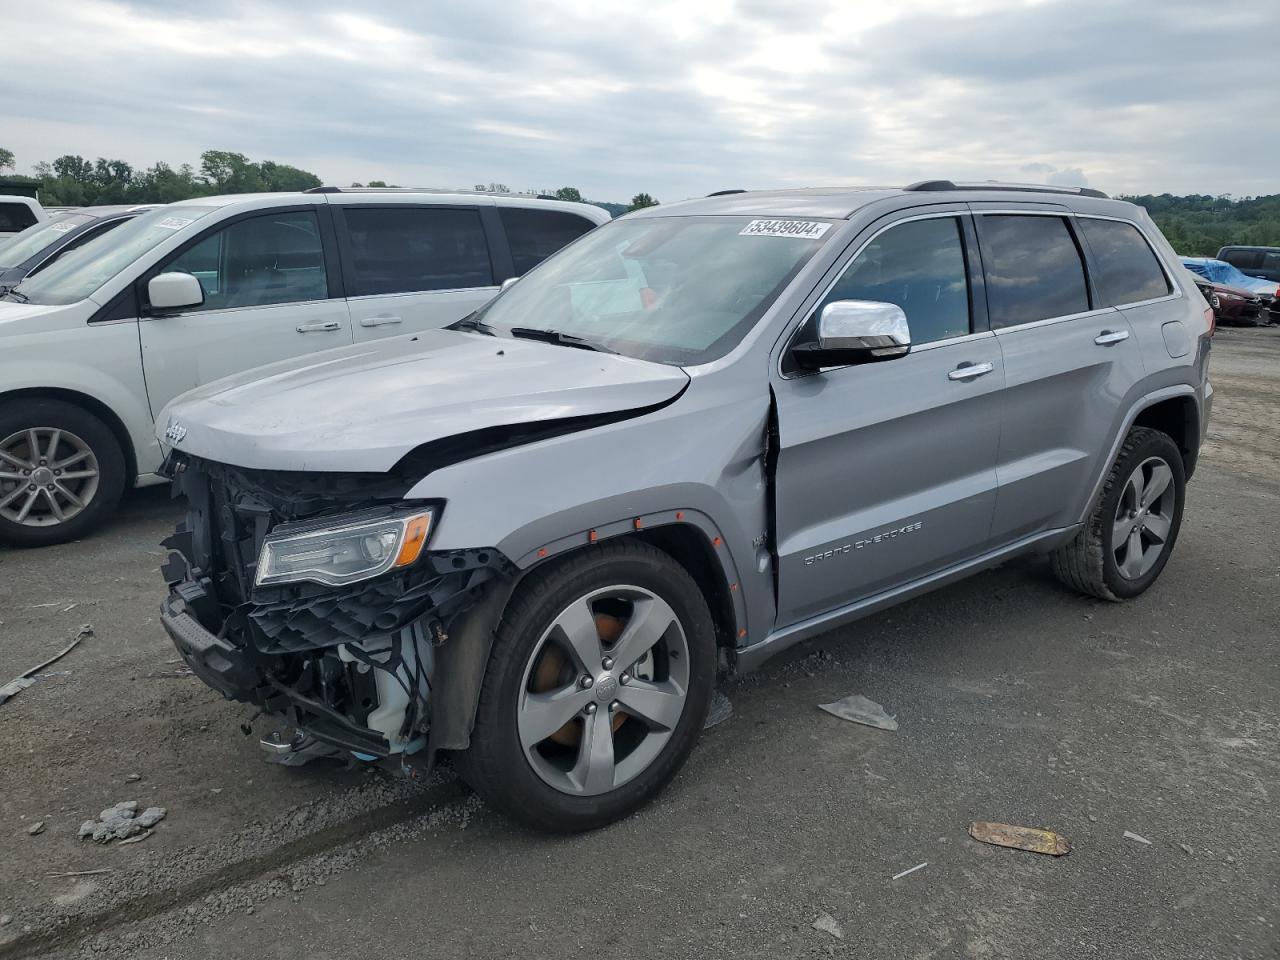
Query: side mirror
(856,331)
(507,284)
(174,291)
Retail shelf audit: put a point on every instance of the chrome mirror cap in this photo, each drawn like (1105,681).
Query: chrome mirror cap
(864,325)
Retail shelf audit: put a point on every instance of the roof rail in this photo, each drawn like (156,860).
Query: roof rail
(328,188)
(725,193)
(930,186)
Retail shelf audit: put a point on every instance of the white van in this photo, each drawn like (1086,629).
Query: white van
(95,345)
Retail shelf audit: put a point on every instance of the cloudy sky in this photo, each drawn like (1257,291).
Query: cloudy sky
(674,97)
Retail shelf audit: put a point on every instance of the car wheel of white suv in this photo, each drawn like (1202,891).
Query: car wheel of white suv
(1127,540)
(61,472)
(598,686)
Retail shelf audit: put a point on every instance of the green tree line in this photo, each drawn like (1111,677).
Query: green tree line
(1198,225)
(74,181)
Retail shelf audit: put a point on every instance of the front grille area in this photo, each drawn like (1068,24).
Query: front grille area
(312,650)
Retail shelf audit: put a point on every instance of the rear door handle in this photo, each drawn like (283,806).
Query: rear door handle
(379,321)
(970,371)
(1108,337)
(326,326)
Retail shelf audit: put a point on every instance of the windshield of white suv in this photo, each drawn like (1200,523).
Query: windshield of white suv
(22,246)
(678,290)
(81,272)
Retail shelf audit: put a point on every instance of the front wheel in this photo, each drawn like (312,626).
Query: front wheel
(61,472)
(597,688)
(1128,538)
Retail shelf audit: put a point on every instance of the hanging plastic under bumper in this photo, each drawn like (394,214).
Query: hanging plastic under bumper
(214,660)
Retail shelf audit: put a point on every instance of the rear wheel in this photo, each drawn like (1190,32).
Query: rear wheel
(61,472)
(1128,538)
(598,686)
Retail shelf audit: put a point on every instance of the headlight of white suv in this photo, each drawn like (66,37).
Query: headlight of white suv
(347,551)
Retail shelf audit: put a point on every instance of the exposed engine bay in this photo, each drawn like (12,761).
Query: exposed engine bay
(350,666)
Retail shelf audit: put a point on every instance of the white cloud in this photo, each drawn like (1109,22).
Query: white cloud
(671,97)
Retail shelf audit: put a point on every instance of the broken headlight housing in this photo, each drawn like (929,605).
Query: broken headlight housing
(346,551)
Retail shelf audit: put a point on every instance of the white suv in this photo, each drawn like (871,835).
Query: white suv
(92,347)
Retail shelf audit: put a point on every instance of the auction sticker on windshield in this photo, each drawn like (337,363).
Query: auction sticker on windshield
(801,229)
(173,223)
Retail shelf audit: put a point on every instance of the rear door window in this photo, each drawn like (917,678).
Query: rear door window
(276,258)
(1033,269)
(15,217)
(536,234)
(1125,267)
(408,249)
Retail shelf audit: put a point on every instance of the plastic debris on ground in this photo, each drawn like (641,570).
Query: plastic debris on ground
(918,866)
(828,924)
(858,709)
(1130,835)
(720,711)
(1032,839)
(120,822)
(21,682)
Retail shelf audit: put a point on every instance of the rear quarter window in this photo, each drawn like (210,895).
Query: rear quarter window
(1126,269)
(408,249)
(535,235)
(15,217)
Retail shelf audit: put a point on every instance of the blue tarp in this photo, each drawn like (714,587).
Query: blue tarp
(1219,271)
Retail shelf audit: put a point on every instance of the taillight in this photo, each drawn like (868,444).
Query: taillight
(1211,320)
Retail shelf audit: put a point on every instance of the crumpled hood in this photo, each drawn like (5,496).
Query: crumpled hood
(360,409)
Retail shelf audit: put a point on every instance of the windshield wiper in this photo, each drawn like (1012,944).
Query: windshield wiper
(16,294)
(559,338)
(473,323)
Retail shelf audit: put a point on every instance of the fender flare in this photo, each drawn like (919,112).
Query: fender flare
(1143,402)
(462,661)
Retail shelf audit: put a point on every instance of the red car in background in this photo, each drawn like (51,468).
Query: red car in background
(1232,305)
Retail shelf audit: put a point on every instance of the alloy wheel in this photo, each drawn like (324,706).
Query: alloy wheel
(603,690)
(47,476)
(1144,517)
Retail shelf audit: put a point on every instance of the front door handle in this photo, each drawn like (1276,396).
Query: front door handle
(1108,337)
(379,321)
(326,326)
(970,371)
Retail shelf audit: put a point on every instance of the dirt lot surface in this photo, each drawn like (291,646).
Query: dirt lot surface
(1017,702)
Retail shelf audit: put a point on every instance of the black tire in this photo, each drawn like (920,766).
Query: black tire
(495,764)
(20,415)
(1088,563)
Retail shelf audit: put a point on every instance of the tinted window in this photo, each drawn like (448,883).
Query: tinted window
(1244,259)
(276,258)
(1126,269)
(15,217)
(535,235)
(405,249)
(1033,269)
(1271,263)
(919,266)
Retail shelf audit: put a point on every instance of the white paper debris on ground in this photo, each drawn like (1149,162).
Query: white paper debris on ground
(858,709)
(918,866)
(828,924)
(1130,835)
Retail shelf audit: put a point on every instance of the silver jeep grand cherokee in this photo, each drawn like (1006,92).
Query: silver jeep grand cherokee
(694,437)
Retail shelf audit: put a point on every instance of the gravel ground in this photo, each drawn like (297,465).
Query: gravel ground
(1017,702)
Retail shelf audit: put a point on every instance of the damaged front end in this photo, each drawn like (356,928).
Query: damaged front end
(316,598)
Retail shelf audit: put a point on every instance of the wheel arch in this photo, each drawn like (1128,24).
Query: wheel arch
(91,405)
(1179,417)
(688,537)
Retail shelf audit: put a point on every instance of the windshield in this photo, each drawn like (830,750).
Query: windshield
(679,290)
(21,247)
(82,271)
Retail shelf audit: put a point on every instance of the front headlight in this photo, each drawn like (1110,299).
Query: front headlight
(346,552)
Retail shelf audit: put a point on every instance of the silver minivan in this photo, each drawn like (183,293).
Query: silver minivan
(689,440)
